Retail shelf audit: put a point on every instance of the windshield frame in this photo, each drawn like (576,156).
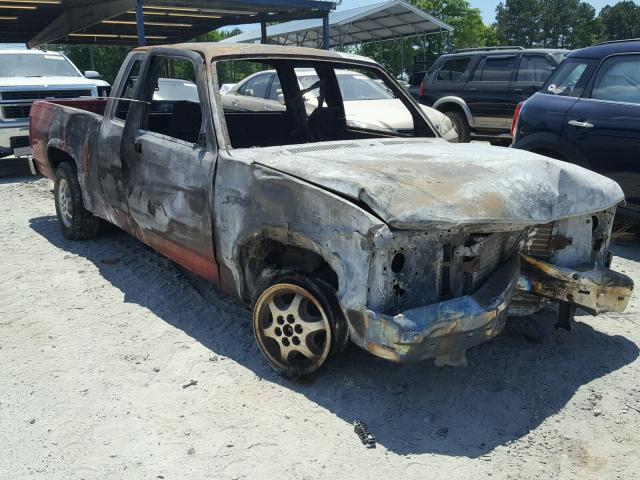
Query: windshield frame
(338,65)
(582,82)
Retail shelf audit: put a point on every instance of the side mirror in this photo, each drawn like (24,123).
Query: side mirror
(281,99)
(92,74)
(248,92)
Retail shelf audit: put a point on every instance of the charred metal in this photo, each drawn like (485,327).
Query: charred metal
(425,247)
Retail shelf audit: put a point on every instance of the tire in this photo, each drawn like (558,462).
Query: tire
(76,223)
(461,125)
(296,323)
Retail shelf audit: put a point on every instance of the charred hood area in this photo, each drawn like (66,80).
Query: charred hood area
(418,184)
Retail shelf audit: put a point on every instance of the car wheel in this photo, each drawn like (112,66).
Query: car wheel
(460,124)
(296,324)
(76,223)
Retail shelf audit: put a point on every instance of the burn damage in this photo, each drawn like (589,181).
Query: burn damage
(429,246)
(424,287)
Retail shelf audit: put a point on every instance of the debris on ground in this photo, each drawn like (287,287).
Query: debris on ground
(190,384)
(367,438)
(624,233)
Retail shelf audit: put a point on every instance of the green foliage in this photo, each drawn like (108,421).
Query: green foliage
(470,30)
(104,59)
(518,22)
(620,21)
(232,71)
(564,23)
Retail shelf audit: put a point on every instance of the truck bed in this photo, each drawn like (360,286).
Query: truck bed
(65,125)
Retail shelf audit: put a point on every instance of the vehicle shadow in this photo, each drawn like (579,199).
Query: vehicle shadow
(16,168)
(510,387)
(629,251)
(22,178)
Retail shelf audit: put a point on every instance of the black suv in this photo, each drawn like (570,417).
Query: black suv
(479,89)
(415,84)
(588,113)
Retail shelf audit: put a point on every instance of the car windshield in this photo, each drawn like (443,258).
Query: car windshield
(569,79)
(353,86)
(36,65)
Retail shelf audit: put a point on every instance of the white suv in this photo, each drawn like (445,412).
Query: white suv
(29,75)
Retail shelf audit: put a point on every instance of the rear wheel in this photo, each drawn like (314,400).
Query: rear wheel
(461,125)
(296,324)
(76,223)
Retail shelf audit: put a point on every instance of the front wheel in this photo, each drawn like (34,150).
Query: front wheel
(297,326)
(76,223)
(461,125)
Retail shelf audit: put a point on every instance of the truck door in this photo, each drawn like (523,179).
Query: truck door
(110,139)
(169,156)
(604,125)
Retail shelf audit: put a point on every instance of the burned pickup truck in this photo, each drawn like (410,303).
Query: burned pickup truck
(330,230)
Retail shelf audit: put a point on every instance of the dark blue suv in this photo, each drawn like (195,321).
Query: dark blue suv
(588,113)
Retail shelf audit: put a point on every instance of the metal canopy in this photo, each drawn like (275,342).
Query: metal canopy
(382,21)
(37,22)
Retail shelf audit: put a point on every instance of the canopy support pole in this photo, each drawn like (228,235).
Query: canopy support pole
(263,32)
(140,23)
(325,32)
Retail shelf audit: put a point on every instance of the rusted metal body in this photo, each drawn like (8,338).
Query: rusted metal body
(429,245)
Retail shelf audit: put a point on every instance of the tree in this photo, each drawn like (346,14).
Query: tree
(567,24)
(469,29)
(547,23)
(518,22)
(620,21)
(104,59)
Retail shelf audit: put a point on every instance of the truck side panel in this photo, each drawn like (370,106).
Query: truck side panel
(57,130)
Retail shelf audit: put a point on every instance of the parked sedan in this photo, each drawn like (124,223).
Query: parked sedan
(588,113)
(367,103)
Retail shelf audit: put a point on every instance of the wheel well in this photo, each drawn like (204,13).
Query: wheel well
(547,152)
(451,107)
(57,156)
(263,253)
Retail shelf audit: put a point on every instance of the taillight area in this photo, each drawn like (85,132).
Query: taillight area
(516,119)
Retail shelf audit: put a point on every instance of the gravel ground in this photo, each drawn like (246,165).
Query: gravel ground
(102,343)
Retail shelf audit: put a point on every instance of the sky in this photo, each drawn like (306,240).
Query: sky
(487,7)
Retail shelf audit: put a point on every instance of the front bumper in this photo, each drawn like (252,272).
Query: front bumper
(14,130)
(455,325)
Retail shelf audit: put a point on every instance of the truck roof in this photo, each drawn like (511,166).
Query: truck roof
(215,51)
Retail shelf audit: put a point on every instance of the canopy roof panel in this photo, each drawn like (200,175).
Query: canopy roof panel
(381,21)
(114,21)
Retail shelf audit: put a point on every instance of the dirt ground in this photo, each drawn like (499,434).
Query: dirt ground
(101,344)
